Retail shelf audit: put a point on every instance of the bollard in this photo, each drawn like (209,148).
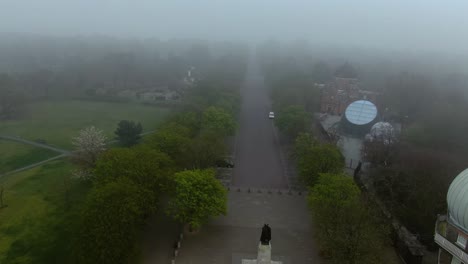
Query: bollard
(178,244)
(181,236)
(176,252)
(173,261)
(248,190)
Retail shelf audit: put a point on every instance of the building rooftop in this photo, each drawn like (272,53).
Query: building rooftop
(457,201)
(361,112)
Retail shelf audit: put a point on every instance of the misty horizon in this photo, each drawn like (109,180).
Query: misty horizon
(420,26)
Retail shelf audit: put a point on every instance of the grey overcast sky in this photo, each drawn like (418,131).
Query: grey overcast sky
(398,24)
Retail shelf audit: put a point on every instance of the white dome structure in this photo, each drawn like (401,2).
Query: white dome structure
(457,201)
(382,131)
(361,112)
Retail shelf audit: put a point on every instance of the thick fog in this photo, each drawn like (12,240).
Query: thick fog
(426,25)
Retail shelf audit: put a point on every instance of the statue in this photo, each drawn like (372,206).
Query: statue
(266,235)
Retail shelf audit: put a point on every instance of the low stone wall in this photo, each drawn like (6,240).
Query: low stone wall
(271,191)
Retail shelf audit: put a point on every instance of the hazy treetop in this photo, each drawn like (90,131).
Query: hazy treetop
(399,24)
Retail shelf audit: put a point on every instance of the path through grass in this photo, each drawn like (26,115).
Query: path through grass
(14,155)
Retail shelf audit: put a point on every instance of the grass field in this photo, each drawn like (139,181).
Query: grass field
(15,155)
(58,121)
(35,226)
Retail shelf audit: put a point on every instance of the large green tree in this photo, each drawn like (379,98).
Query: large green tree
(175,140)
(149,168)
(314,158)
(111,222)
(128,132)
(197,196)
(207,148)
(346,227)
(293,120)
(218,120)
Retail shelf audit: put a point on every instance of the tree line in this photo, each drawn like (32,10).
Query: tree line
(98,69)
(347,227)
(114,190)
(411,175)
(175,162)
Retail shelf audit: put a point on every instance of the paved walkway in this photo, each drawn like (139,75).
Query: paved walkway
(259,163)
(230,238)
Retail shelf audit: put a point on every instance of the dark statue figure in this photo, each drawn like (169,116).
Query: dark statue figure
(266,235)
(358,169)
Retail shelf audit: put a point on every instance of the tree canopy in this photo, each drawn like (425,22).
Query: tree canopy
(218,120)
(292,120)
(347,230)
(174,140)
(149,168)
(128,132)
(314,158)
(197,195)
(111,221)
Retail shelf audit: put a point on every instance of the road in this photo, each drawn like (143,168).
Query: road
(258,164)
(257,158)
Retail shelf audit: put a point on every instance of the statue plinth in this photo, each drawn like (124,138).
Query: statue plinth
(263,256)
(264,249)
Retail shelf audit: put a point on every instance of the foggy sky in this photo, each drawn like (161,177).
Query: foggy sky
(409,25)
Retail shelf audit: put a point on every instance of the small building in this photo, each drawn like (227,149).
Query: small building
(451,230)
(158,95)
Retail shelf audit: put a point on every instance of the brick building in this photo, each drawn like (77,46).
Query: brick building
(336,95)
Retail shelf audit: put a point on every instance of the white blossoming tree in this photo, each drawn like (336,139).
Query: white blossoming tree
(89,144)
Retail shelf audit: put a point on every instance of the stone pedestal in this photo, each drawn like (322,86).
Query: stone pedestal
(263,256)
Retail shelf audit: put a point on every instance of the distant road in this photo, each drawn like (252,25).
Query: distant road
(257,158)
(29,142)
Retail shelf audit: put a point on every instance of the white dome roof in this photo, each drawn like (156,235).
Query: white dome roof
(361,112)
(457,201)
(382,131)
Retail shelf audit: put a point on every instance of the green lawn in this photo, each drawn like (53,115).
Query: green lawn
(37,224)
(58,121)
(15,155)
